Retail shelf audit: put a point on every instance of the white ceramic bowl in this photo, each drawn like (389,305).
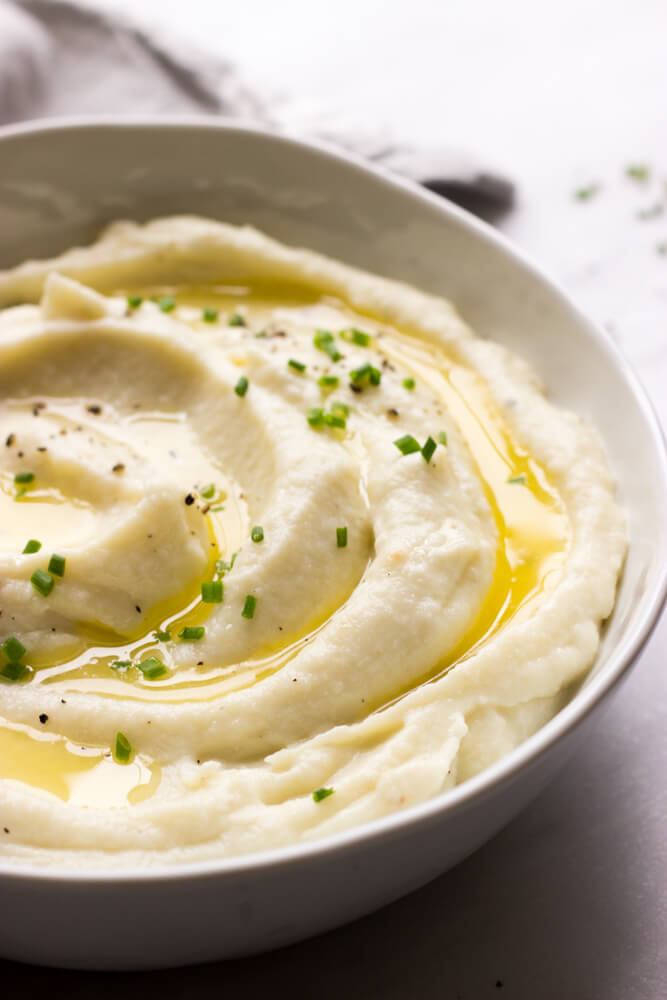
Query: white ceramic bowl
(58,184)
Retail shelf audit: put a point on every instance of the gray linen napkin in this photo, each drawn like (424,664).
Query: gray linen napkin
(62,58)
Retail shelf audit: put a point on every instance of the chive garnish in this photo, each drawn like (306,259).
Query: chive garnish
(517,480)
(57,565)
(13,672)
(322,793)
(13,648)
(121,664)
(409,383)
(298,366)
(638,172)
(340,409)
(162,636)
(587,192)
(212,592)
(241,386)
(24,477)
(367,373)
(428,449)
(236,319)
(328,381)
(249,606)
(442,437)
(207,492)
(122,750)
(315,416)
(134,301)
(42,582)
(341,537)
(152,668)
(192,632)
(209,315)
(354,336)
(407,444)
(334,420)
(32,545)
(166,303)
(257,533)
(324,341)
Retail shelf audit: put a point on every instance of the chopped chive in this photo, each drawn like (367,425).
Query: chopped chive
(324,341)
(57,565)
(298,366)
(24,477)
(638,172)
(407,444)
(257,533)
(192,632)
(212,592)
(249,606)
(236,319)
(134,301)
(341,537)
(517,480)
(13,672)
(428,449)
(221,566)
(587,192)
(442,437)
(152,668)
(315,416)
(209,315)
(166,303)
(354,336)
(121,664)
(42,582)
(328,381)
(334,420)
(162,636)
(241,386)
(340,409)
(322,793)
(216,510)
(32,545)
(409,383)
(122,749)
(207,492)
(13,648)
(367,373)
(652,212)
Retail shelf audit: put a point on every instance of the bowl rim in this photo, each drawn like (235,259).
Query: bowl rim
(586,699)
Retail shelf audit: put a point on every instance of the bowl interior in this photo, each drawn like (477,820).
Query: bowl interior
(59,185)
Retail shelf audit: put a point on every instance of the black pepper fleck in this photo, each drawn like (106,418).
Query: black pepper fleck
(96,410)
(392,412)
(10,440)
(138,609)
(43,718)
(189,500)
(118,467)
(355,388)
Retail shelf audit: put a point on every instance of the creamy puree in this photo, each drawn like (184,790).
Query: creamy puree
(284,547)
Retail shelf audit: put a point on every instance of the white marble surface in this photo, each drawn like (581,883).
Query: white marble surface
(569,901)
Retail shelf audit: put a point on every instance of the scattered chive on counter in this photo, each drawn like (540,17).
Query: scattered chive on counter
(212,592)
(42,582)
(191,633)
(322,793)
(241,386)
(122,749)
(249,606)
(257,533)
(57,565)
(341,537)
(13,648)
(298,366)
(32,545)
(407,444)
(152,668)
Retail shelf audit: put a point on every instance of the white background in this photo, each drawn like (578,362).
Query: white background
(567,902)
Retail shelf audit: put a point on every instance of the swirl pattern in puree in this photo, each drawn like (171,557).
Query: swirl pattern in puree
(162,423)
